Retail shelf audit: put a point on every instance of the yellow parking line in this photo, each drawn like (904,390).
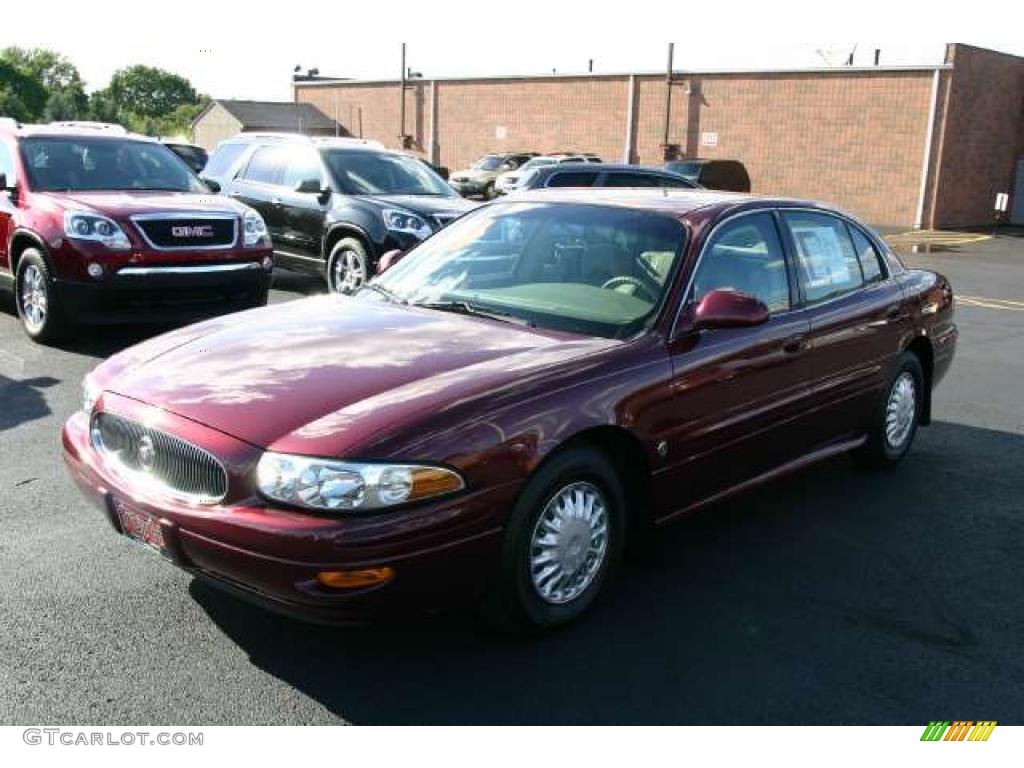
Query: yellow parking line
(936,237)
(987,304)
(996,301)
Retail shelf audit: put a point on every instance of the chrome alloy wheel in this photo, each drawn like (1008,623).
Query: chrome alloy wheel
(349,272)
(34,297)
(901,409)
(569,543)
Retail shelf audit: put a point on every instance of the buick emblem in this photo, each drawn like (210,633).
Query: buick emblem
(147,453)
(202,230)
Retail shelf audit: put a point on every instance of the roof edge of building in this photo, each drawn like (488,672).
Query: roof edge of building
(680,73)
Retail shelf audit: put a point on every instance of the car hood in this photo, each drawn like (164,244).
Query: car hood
(425,205)
(324,375)
(129,203)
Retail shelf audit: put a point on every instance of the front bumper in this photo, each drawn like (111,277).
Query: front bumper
(466,188)
(165,294)
(443,554)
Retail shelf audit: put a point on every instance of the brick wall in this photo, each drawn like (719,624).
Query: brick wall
(982,138)
(854,138)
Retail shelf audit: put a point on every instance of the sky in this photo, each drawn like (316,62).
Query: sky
(248,50)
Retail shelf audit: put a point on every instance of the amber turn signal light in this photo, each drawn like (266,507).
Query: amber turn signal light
(365,577)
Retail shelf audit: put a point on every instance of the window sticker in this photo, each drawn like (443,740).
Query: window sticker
(822,257)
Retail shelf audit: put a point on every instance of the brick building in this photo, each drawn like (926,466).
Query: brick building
(922,146)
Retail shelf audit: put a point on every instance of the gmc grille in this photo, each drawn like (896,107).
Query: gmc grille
(168,462)
(188,232)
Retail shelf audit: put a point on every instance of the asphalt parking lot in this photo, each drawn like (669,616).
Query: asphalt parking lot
(835,596)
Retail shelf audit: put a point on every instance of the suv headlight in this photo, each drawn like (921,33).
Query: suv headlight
(400,221)
(90,394)
(341,485)
(254,228)
(79,225)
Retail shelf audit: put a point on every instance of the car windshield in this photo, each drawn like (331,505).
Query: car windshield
(489,163)
(361,172)
(537,162)
(582,268)
(689,170)
(83,164)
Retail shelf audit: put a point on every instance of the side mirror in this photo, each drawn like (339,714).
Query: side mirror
(309,187)
(6,186)
(729,309)
(388,260)
(211,185)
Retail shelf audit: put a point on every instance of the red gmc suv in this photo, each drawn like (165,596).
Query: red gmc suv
(99,226)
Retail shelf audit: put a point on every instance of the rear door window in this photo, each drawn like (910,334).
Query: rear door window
(826,260)
(616,179)
(572,179)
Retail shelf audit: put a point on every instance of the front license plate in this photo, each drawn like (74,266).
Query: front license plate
(139,525)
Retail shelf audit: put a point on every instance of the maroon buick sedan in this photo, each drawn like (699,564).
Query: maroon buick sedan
(500,412)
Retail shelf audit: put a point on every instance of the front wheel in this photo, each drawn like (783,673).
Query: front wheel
(563,538)
(348,267)
(898,415)
(40,314)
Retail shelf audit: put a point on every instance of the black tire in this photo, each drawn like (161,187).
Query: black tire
(33,290)
(881,450)
(489,193)
(515,603)
(348,253)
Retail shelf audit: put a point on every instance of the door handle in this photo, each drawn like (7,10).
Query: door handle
(794,344)
(275,201)
(234,193)
(893,312)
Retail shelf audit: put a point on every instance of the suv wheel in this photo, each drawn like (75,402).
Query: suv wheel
(489,193)
(40,314)
(348,267)
(563,537)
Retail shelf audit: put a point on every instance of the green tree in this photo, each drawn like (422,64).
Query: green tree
(65,91)
(149,91)
(22,95)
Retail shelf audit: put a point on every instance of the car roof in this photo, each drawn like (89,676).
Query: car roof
(73,129)
(676,202)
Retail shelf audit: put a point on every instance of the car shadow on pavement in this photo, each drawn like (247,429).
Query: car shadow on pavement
(834,596)
(23,400)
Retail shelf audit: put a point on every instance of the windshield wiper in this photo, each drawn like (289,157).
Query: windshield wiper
(463,307)
(387,294)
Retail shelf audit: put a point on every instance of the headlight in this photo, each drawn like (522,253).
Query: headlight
(399,221)
(342,485)
(254,228)
(99,229)
(90,394)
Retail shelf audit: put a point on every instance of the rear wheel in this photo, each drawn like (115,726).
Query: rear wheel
(348,267)
(897,416)
(563,538)
(41,315)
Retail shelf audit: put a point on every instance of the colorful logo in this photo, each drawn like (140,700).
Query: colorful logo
(961,730)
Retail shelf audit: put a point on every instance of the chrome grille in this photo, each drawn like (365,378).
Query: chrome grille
(168,462)
(169,232)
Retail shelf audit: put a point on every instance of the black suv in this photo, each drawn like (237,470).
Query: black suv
(727,175)
(334,206)
(603,175)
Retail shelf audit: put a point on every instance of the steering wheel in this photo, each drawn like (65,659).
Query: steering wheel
(617,282)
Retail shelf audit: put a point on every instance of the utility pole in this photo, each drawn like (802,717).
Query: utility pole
(668,95)
(401,103)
